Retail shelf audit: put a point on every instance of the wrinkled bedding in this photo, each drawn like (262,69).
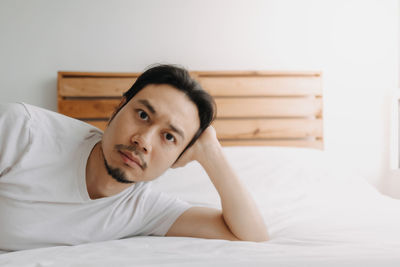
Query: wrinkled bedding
(318,210)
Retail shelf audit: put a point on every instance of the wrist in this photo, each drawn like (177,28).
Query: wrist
(212,156)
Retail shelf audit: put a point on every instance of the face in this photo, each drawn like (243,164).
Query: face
(148,134)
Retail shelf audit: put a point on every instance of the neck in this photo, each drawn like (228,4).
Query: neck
(98,182)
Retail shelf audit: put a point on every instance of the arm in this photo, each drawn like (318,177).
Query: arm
(239,219)
(15,134)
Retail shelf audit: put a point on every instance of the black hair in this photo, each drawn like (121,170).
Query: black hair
(179,78)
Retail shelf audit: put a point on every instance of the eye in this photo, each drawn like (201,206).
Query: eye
(143,115)
(169,137)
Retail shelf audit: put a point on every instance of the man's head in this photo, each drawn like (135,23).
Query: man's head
(159,118)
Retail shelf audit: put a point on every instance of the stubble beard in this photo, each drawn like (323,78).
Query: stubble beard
(116,173)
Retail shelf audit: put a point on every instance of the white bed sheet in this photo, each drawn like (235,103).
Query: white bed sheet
(172,251)
(319,212)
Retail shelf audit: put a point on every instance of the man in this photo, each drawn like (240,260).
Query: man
(64,182)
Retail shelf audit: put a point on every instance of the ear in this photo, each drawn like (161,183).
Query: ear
(117,108)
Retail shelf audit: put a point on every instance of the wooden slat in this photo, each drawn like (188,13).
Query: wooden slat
(95,87)
(226,107)
(240,142)
(90,84)
(212,73)
(268,128)
(257,129)
(80,74)
(318,144)
(99,108)
(262,86)
(268,107)
(235,73)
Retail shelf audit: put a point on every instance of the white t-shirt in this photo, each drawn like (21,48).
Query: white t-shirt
(43,195)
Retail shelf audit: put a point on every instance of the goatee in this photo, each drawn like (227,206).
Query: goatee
(116,173)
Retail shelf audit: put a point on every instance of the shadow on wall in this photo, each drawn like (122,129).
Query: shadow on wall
(49,87)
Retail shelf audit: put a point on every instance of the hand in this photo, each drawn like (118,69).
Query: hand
(207,143)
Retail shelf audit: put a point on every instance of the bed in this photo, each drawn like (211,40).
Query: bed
(319,211)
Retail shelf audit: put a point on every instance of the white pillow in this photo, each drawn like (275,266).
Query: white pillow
(264,170)
(300,192)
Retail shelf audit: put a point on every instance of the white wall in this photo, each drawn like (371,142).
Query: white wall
(354,42)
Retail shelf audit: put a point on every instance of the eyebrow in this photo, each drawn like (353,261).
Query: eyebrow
(147,104)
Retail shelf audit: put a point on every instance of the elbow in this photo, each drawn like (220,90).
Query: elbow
(264,237)
(261,238)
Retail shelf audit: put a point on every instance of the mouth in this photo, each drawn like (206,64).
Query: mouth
(130,160)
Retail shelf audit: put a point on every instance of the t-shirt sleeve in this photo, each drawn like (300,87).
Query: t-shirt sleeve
(161,211)
(14,134)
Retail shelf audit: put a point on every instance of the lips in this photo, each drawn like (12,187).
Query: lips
(130,159)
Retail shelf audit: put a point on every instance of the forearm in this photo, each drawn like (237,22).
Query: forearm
(238,207)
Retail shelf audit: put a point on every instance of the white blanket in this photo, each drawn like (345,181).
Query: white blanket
(319,212)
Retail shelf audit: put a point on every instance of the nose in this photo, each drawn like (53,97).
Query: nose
(143,141)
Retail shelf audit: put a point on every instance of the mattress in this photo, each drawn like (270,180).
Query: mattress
(319,212)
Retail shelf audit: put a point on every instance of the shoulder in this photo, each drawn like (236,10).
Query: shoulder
(21,110)
(14,117)
(53,123)
(14,110)
(42,115)
(15,137)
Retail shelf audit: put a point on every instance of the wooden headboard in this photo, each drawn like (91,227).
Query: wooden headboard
(253,107)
